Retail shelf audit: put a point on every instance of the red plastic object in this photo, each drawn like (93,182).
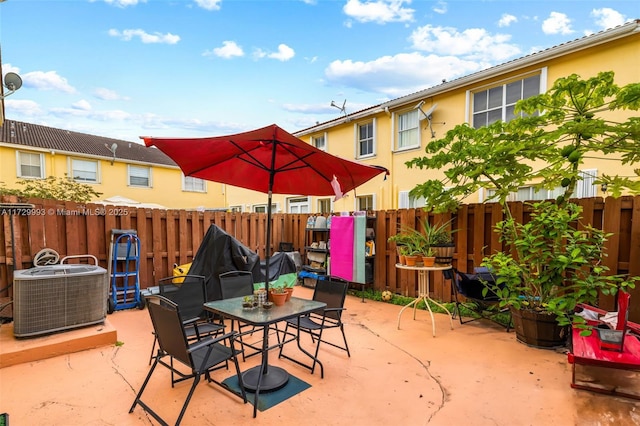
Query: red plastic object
(589,350)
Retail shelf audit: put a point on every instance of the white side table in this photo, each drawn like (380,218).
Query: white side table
(423,292)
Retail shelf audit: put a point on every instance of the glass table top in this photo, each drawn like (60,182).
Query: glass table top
(232,308)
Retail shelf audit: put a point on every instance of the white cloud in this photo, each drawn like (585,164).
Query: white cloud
(608,18)
(228,50)
(124,3)
(209,4)
(379,11)
(557,23)
(506,20)
(440,7)
(145,37)
(24,107)
(107,94)
(472,43)
(49,80)
(283,54)
(113,115)
(9,68)
(399,74)
(82,105)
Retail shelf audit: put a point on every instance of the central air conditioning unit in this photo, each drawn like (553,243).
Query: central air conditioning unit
(53,298)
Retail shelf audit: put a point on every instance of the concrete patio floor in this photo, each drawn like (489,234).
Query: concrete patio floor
(475,374)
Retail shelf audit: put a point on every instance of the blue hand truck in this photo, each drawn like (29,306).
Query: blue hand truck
(124,271)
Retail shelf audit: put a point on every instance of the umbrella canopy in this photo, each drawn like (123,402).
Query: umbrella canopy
(250,159)
(268,160)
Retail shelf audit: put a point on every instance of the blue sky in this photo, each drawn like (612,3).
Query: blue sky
(128,68)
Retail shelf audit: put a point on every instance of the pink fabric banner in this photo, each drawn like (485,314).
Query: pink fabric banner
(341,249)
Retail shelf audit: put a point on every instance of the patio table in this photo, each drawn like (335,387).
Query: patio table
(265,377)
(423,292)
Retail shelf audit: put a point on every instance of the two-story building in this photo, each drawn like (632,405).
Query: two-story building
(120,170)
(388,134)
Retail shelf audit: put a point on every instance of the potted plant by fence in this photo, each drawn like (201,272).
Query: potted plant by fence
(428,256)
(401,239)
(416,244)
(439,237)
(548,265)
(552,267)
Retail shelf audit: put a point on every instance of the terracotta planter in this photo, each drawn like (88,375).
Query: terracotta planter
(289,293)
(428,260)
(402,259)
(279,298)
(411,260)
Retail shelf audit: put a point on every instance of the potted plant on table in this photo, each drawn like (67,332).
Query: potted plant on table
(278,295)
(428,256)
(548,265)
(401,240)
(439,237)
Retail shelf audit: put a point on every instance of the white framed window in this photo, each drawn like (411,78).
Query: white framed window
(84,171)
(491,104)
(235,209)
(262,208)
(30,165)
(406,201)
(365,202)
(298,205)
(139,176)
(408,130)
(193,184)
(324,206)
(585,188)
(365,139)
(320,141)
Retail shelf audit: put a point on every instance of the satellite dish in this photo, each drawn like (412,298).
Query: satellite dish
(112,148)
(12,81)
(429,112)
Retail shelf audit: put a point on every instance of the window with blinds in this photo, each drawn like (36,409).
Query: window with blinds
(139,176)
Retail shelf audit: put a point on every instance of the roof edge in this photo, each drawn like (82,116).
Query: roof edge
(548,54)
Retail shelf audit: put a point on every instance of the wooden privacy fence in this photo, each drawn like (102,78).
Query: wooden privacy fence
(171,237)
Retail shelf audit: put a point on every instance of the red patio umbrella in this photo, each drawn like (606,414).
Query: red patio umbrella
(268,160)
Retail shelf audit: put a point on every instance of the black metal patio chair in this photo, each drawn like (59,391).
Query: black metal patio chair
(190,294)
(332,291)
(236,284)
(483,303)
(201,356)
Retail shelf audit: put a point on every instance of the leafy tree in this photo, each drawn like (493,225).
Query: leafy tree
(64,189)
(550,265)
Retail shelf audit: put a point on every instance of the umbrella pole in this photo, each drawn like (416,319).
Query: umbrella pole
(272,174)
(268,247)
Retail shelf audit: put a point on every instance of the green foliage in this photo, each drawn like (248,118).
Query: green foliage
(554,266)
(438,234)
(549,264)
(415,242)
(64,189)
